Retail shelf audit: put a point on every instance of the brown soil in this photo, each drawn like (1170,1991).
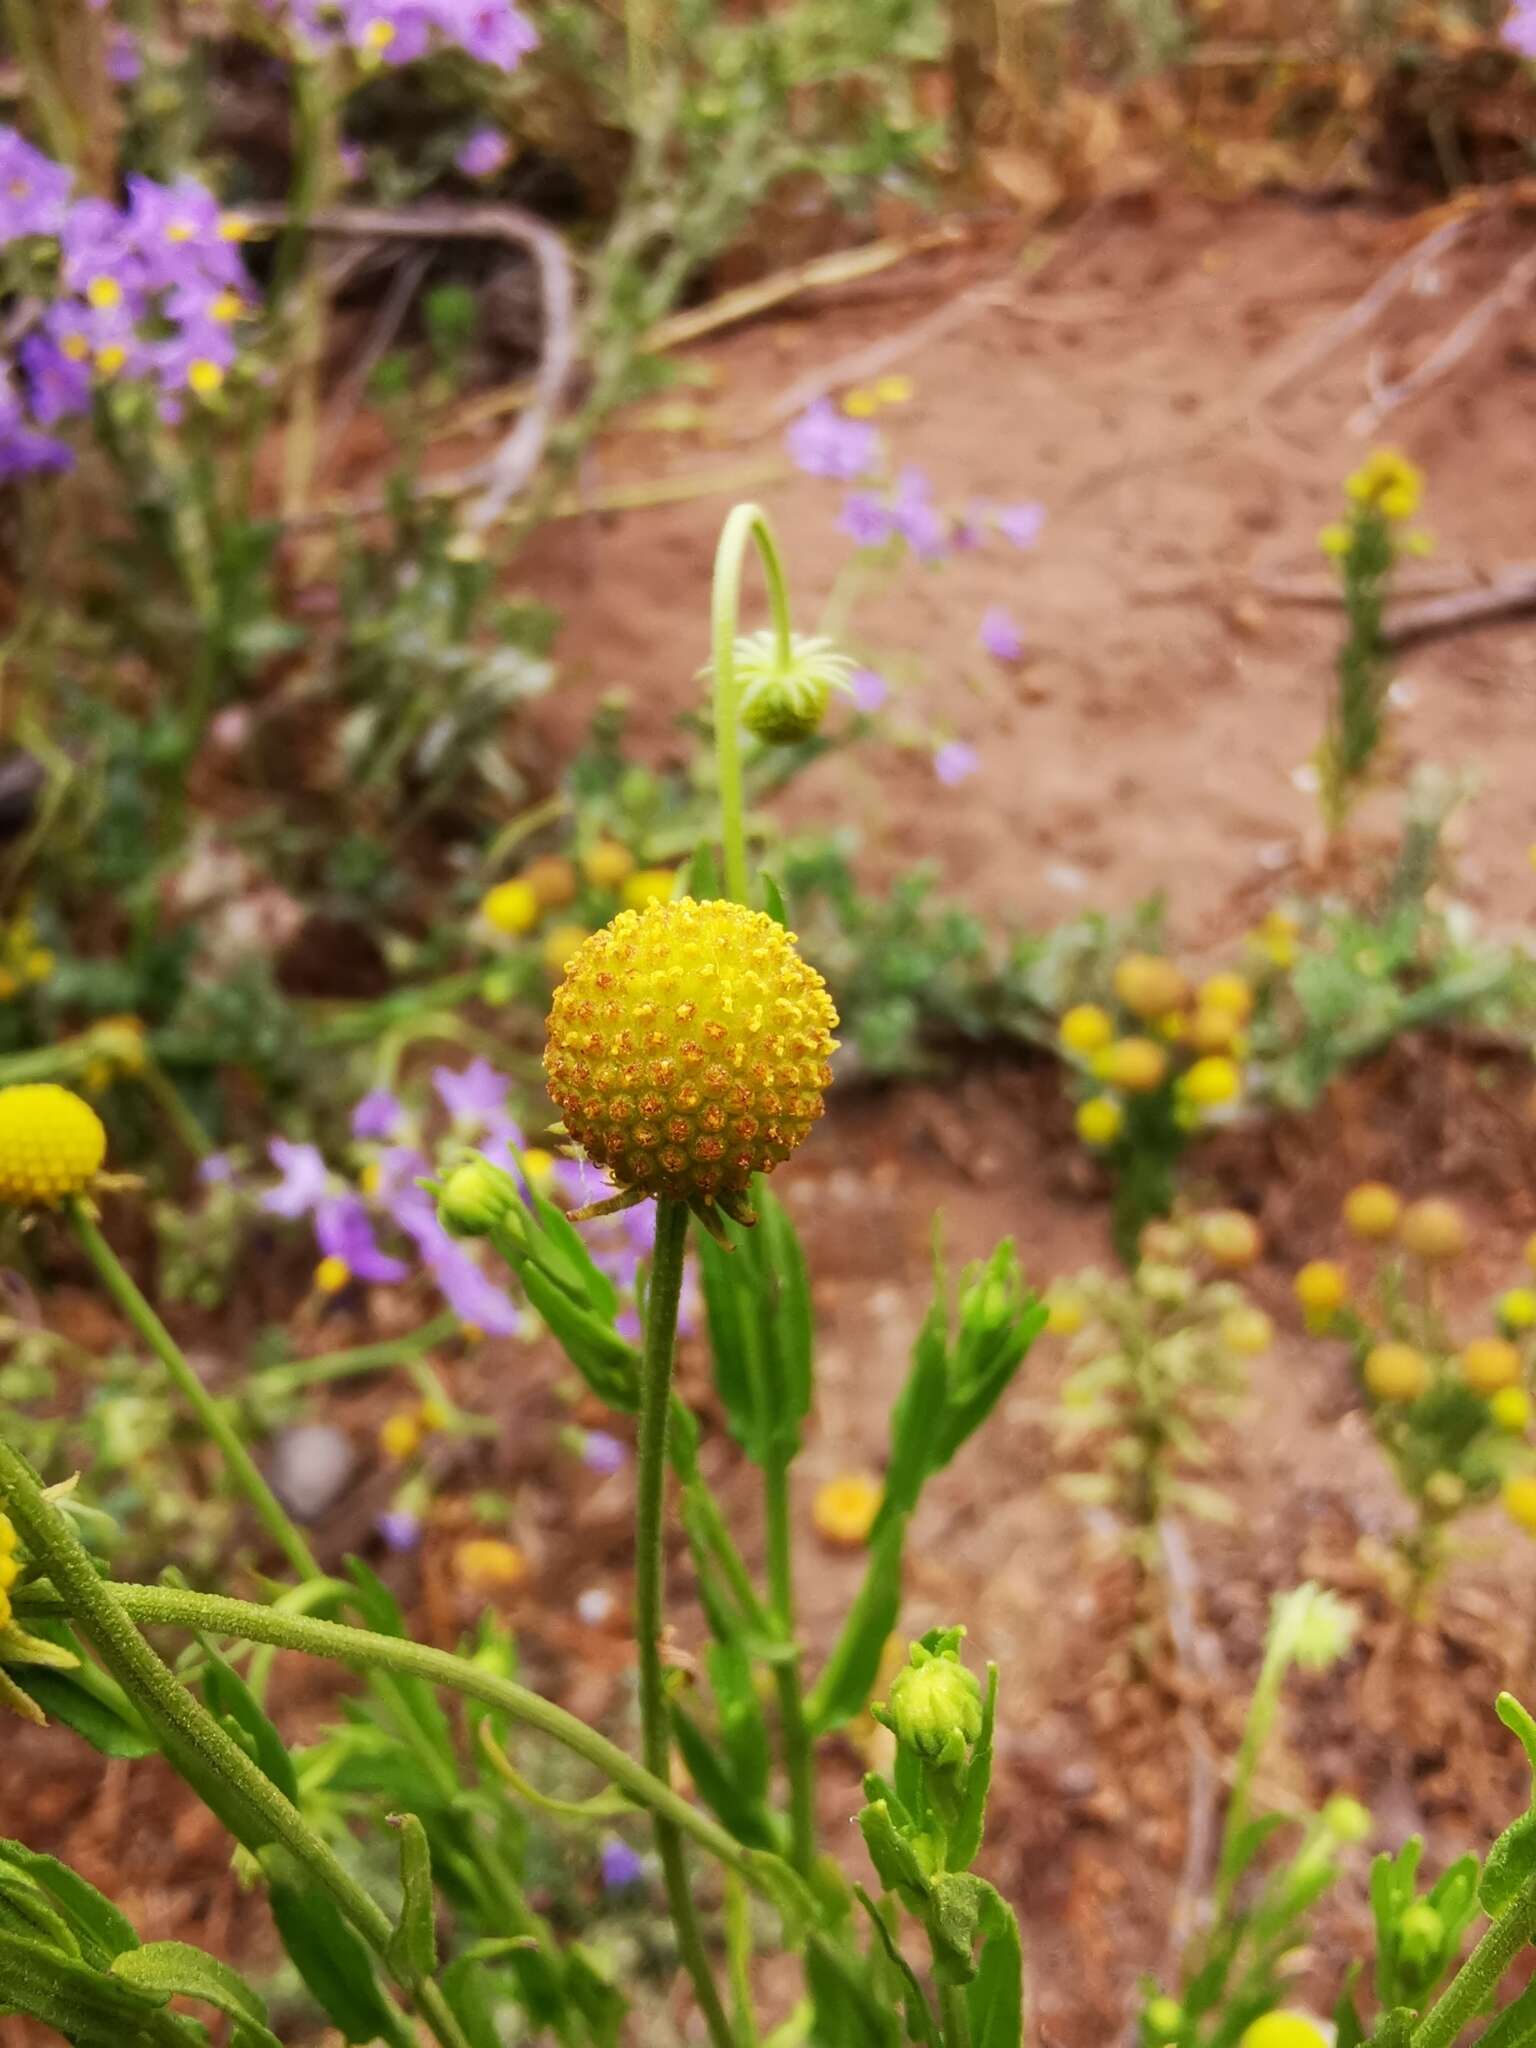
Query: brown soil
(1148,742)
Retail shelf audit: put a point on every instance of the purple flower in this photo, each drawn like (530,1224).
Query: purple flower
(955,762)
(343,1231)
(825,442)
(1519,31)
(918,520)
(34,190)
(472,1297)
(870,689)
(1021,523)
(378,1114)
(1000,636)
(216,1170)
(603,1453)
(125,66)
(353,159)
(866,519)
(305,1181)
(399,1529)
(484,154)
(472,1095)
(621,1865)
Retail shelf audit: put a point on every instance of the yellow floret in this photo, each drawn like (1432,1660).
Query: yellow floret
(1372,1209)
(1100,1120)
(688,1048)
(1433,1229)
(488,1565)
(511,907)
(1228,992)
(332,1274)
(1396,1372)
(1489,1363)
(1519,1498)
(1149,986)
(1321,1287)
(1211,1081)
(844,1510)
(1085,1028)
(1136,1064)
(400,1436)
(648,885)
(52,1144)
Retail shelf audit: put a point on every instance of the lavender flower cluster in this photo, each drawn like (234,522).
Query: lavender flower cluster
(147,292)
(493,32)
(1519,30)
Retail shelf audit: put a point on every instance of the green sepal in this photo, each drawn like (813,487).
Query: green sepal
(892,1853)
(954,1921)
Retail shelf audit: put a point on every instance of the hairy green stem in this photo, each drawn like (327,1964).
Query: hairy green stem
(954,2016)
(1474,1984)
(745,525)
(193,1741)
(209,1412)
(793,1731)
(666,1286)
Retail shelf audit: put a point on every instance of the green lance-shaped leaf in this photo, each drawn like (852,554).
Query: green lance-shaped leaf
(101,1930)
(173,1969)
(965,1836)
(994,1998)
(70,1697)
(1512,1859)
(413,1945)
(1515,2026)
(758,1302)
(25,1910)
(86,2006)
(914,2000)
(848,1676)
(332,1960)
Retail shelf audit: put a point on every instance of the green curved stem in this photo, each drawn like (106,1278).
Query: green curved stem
(209,1412)
(745,525)
(1474,1984)
(191,1739)
(787,1675)
(666,1286)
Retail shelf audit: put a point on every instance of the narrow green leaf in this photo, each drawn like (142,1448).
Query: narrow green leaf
(86,2006)
(229,1698)
(334,1963)
(608,1363)
(848,1676)
(914,2000)
(773,899)
(994,1998)
(965,1835)
(103,1931)
(61,1697)
(173,1969)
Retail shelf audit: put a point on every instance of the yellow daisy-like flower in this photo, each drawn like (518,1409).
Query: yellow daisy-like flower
(511,907)
(1085,1028)
(844,1510)
(1100,1120)
(688,1048)
(52,1144)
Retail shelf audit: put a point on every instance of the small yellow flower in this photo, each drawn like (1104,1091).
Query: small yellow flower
(8,1536)
(104,293)
(204,377)
(607,865)
(110,358)
(562,942)
(1277,938)
(1149,986)
(1230,992)
(332,1274)
(400,1435)
(1433,1229)
(1372,1209)
(1334,540)
(1211,1081)
(860,403)
(895,389)
(844,1509)
(1396,1372)
(1519,1497)
(553,881)
(1282,2030)
(1066,1312)
(1321,1287)
(39,964)
(1136,1064)
(52,1144)
(10,1572)
(486,1564)
(538,1165)
(1213,1030)
(1100,1120)
(379,34)
(1390,482)
(511,907)
(434,1414)
(1489,1363)
(1511,1409)
(648,885)
(371,1179)
(1230,1237)
(1247,1331)
(1085,1028)
(1517,1308)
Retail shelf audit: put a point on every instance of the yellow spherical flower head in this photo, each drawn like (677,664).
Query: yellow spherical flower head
(607,865)
(1396,1372)
(1283,2030)
(844,1510)
(1247,1331)
(1211,1030)
(1136,1064)
(511,907)
(1211,1082)
(1230,1237)
(1519,1497)
(1372,1209)
(52,1144)
(1229,992)
(1149,986)
(1065,1312)
(1100,1120)
(553,881)
(1321,1288)
(1517,1308)
(1389,482)
(1510,1408)
(1433,1229)
(487,1564)
(400,1436)
(688,1049)
(1489,1363)
(1085,1028)
(561,946)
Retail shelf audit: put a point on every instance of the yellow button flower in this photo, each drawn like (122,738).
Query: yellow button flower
(607,865)
(1066,1312)
(1489,1363)
(1247,1331)
(1433,1229)
(1100,1120)
(1150,986)
(1228,992)
(1321,1287)
(1212,1029)
(1282,2030)
(1519,1497)
(511,907)
(1511,1409)
(1136,1064)
(844,1509)
(553,881)
(52,1144)
(1372,1209)
(400,1436)
(688,1048)
(332,1274)
(1517,1308)
(1211,1081)
(561,946)
(1086,1028)
(648,885)
(1396,1372)
(1230,1237)
(486,1564)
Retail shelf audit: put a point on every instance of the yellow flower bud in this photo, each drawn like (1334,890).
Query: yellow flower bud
(607,865)
(648,885)
(561,945)
(52,1144)
(1517,1308)
(1372,1209)
(1519,1498)
(844,1509)
(1321,1287)
(332,1274)
(553,881)
(1212,1029)
(1065,1312)
(1086,1028)
(485,1564)
(1511,1409)
(1396,1372)
(1230,1237)
(1247,1331)
(1099,1120)
(1230,992)
(688,1047)
(1282,2030)
(1211,1081)
(400,1436)
(1489,1363)
(511,907)
(1433,1229)
(1136,1064)
(1150,986)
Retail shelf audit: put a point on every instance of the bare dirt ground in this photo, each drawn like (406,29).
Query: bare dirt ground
(1149,741)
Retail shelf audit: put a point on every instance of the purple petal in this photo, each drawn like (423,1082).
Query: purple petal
(1000,636)
(343,1231)
(475,1094)
(870,689)
(955,762)
(378,1114)
(621,1865)
(603,1453)
(304,1179)
(1021,524)
(825,442)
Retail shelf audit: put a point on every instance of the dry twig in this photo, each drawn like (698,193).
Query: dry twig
(1456,346)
